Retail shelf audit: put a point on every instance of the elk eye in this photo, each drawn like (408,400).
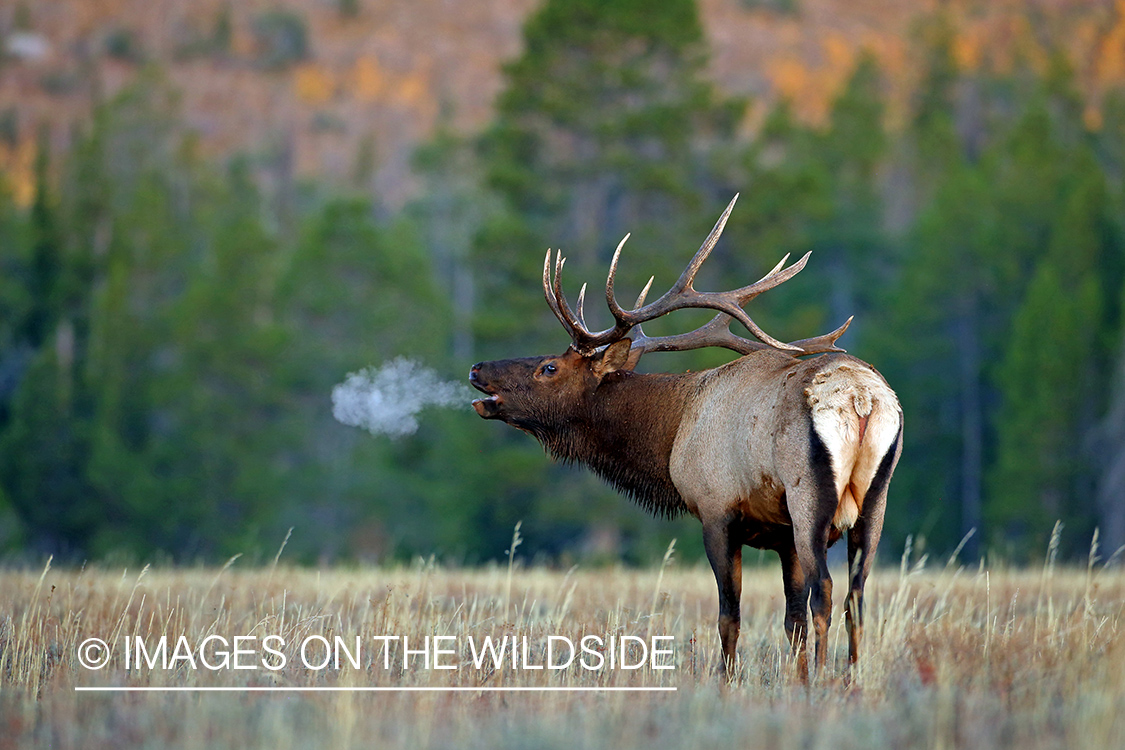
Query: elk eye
(550,369)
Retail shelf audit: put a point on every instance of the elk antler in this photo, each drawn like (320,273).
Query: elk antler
(680,296)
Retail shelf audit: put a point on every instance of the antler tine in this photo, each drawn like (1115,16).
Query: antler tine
(688,276)
(732,302)
(547,290)
(552,290)
(667,301)
(729,303)
(584,340)
(715,333)
(560,298)
(776,268)
(682,294)
(612,275)
(580,305)
(770,280)
(638,333)
(740,315)
(825,343)
(644,292)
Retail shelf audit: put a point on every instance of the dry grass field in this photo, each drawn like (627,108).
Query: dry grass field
(954,657)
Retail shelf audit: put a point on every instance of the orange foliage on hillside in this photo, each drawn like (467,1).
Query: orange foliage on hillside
(313,83)
(368,79)
(17,165)
(389,73)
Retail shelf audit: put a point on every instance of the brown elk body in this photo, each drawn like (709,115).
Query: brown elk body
(770,450)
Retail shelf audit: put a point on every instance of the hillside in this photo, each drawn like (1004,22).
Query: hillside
(346,88)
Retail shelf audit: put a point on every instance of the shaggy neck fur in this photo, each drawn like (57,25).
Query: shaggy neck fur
(625,434)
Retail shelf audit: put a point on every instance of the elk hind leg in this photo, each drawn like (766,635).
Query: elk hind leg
(796,608)
(863,538)
(812,505)
(818,585)
(860,551)
(811,547)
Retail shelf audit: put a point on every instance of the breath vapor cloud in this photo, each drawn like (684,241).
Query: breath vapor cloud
(386,400)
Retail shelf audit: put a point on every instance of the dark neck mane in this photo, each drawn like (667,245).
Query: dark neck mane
(626,437)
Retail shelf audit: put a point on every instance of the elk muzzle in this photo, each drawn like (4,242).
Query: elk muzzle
(488,408)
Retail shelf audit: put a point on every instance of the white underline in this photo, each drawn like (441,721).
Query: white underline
(404,689)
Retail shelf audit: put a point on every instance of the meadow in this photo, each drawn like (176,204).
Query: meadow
(954,657)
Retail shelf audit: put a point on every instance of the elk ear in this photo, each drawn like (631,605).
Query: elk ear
(614,358)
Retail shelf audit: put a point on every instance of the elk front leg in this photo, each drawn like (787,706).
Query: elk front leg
(725,555)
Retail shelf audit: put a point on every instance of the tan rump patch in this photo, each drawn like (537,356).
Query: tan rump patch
(855,415)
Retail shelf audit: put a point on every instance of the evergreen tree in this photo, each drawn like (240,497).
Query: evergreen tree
(145,419)
(1110,442)
(931,347)
(44,442)
(46,254)
(15,299)
(933,127)
(451,213)
(849,244)
(1109,436)
(604,128)
(1048,378)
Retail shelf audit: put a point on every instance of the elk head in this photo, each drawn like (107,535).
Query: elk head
(533,391)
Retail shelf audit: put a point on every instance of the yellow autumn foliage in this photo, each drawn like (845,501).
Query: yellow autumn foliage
(413,88)
(839,52)
(788,76)
(313,83)
(1110,62)
(17,165)
(967,51)
(367,79)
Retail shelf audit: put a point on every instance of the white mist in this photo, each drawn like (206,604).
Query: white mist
(386,400)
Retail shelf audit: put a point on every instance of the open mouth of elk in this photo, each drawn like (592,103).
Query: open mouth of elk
(489,408)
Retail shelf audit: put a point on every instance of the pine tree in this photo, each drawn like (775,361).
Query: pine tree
(43,442)
(931,346)
(1109,437)
(46,254)
(604,128)
(1048,378)
(849,243)
(15,299)
(933,128)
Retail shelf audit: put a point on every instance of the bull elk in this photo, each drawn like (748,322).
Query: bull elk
(770,450)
